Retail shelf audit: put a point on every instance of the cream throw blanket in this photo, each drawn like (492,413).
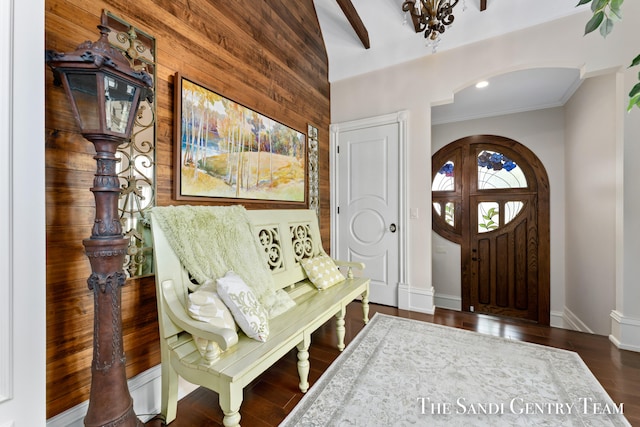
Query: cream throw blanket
(211,240)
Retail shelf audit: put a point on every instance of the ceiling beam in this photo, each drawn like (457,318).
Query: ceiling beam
(483,5)
(355,21)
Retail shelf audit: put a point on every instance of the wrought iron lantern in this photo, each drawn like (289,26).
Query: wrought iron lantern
(105,90)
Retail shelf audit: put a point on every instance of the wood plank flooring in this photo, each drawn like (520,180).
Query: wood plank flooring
(269,398)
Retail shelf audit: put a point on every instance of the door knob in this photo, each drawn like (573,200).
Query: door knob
(392,228)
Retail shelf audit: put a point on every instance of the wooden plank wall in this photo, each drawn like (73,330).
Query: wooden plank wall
(268,55)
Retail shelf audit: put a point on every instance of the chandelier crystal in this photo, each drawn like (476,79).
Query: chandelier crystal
(432,17)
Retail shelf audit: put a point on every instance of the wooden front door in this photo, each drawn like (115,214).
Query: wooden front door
(491,195)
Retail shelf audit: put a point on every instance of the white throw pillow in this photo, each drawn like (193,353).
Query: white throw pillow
(205,305)
(322,271)
(245,307)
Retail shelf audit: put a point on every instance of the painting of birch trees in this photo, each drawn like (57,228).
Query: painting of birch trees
(227,150)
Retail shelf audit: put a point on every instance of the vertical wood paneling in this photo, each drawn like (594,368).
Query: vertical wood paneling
(484,271)
(502,271)
(267,55)
(521,271)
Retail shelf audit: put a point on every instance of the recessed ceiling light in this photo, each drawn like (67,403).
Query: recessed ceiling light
(482,84)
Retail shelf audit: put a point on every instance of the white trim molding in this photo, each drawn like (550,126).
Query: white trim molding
(6,203)
(450,302)
(625,332)
(416,299)
(557,320)
(22,214)
(574,322)
(402,119)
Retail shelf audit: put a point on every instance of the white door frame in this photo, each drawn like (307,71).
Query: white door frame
(400,118)
(22,214)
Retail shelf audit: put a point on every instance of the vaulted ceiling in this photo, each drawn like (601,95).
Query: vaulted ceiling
(393,40)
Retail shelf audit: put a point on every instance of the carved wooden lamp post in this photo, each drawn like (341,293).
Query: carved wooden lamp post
(105,91)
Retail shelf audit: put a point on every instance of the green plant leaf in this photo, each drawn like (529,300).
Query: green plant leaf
(616,4)
(594,22)
(606,27)
(598,5)
(615,16)
(616,10)
(634,101)
(635,91)
(635,62)
(581,2)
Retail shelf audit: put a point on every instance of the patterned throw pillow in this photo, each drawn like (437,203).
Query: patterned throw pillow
(245,307)
(322,271)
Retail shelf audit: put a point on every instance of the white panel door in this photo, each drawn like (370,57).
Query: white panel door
(368,205)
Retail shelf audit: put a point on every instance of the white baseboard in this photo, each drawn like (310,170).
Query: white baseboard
(556,320)
(571,321)
(450,302)
(625,331)
(145,391)
(419,300)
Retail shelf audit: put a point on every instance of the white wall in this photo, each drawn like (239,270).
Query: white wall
(417,85)
(625,324)
(446,273)
(590,167)
(542,132)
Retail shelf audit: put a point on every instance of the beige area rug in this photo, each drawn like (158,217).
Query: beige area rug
(401,372)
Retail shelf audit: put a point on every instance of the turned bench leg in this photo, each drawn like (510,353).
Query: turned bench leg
(365,306)
(303,364)
(230,401)
(340,330)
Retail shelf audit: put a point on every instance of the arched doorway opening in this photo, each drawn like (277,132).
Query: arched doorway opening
(491,196)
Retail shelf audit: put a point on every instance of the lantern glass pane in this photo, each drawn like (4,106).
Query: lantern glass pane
(119,96)
(84,92)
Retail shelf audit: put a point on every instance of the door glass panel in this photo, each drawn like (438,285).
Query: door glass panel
(437,209)
(488,216)
(495,170)
(511,209)
(449,214)
(444,179)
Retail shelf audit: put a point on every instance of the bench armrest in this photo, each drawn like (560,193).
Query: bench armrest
(350,265)
(225,338)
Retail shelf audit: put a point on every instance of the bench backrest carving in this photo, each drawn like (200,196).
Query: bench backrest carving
(287,235)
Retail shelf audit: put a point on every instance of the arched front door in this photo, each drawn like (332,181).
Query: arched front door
(491,195)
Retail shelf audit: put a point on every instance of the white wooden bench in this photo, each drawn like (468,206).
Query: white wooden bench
(287,236)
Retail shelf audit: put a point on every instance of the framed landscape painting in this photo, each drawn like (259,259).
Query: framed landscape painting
(226,150)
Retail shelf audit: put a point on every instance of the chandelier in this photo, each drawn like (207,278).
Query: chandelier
(431,16)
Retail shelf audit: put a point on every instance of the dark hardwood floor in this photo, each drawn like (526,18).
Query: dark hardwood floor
(271,396)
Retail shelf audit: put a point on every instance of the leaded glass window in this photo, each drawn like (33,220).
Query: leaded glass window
(444,179)
(495,170)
